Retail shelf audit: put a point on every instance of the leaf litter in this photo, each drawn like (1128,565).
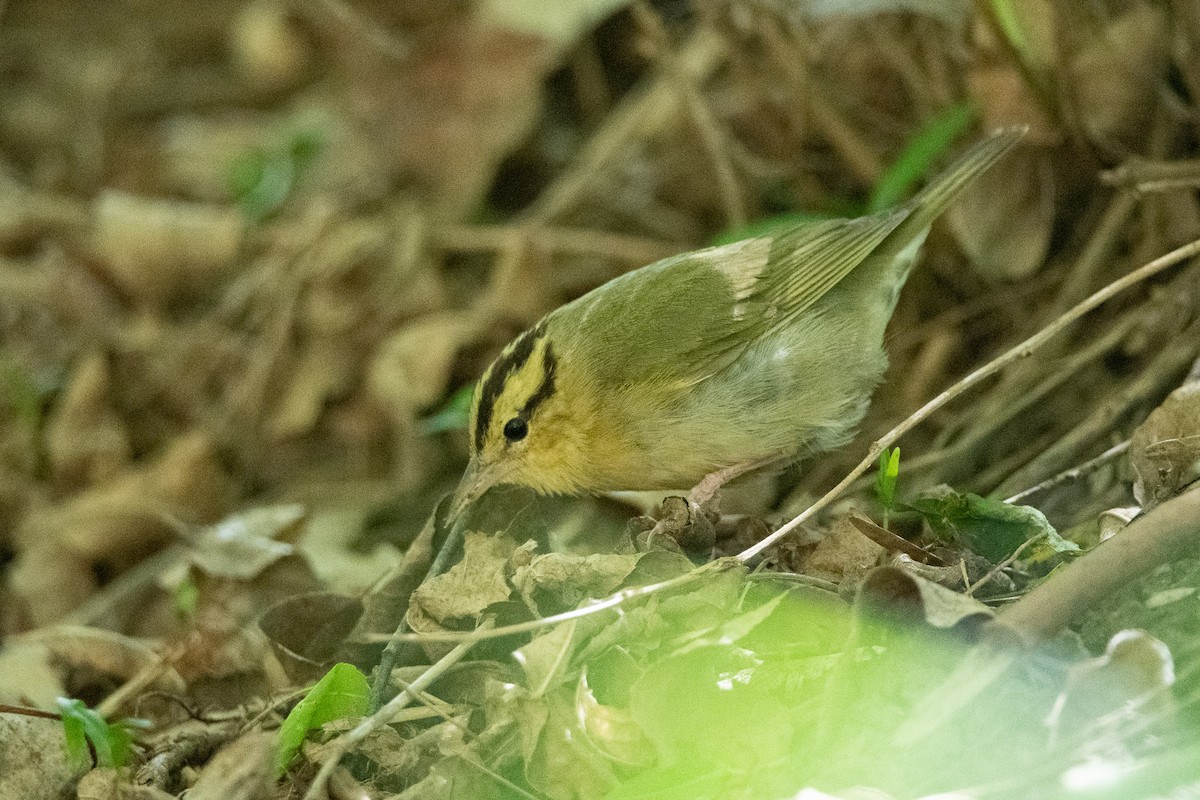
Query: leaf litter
(244,291)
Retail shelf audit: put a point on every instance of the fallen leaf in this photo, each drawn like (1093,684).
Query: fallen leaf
(843,553)
(570,579)
(244,769)
(1165,449)
(467,588)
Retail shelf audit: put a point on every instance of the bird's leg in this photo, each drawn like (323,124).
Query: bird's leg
(704,491)
(690,520)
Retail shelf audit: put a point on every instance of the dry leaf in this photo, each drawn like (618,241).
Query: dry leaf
(1165,449)
(1116,74)
(95,650)
(241,770)
(1004,219)
(411,369)
(1130,682)
(892,589)
(116,522)
(29,673)
(447,116)
(844,553)
(33,759)
(560,24)
(468,587)
(86,441)
(267,47)
(571,579)
(243,545)
(308,631)
(155,248)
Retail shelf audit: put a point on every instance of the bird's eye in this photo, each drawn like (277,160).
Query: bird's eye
(516,429)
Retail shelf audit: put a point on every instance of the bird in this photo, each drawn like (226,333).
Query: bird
(697,368)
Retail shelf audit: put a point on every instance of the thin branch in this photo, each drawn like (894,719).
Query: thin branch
(1164,533)
(583,241)
(383,716)
(644,113)
(1072,474)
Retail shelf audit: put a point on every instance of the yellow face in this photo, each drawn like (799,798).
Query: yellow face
(528,426)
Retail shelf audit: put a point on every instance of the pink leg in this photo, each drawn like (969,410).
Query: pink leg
(704,491)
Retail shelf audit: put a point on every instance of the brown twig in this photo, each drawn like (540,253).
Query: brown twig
(583,241)
(1166,532)
(644,112)
(1003,565)
(893,543)
(1072,474)
(712,136)
(1155,379)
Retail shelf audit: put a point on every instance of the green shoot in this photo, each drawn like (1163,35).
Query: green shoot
(186,598)
(264,178)
(452,416)
(341,694)
(111,742)
(924,149)
(1008,19)
(885,481)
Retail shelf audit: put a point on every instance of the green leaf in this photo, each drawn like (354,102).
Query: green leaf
(343,693)
(111,742)
(924,149)
(992,528)
(452,416)
(885,480)
(186,597)
(1008,19)
(262,180)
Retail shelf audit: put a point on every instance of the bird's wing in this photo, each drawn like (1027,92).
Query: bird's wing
(682,319)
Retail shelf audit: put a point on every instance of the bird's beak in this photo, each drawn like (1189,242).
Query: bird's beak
(476,480)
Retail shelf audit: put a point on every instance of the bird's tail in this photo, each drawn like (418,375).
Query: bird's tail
(931,201)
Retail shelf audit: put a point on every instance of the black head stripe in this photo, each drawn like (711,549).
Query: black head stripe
(511,360)
(546,388)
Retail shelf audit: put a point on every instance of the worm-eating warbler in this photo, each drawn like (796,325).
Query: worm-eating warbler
(706,363)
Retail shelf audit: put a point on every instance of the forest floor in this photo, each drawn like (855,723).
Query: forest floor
(254,254)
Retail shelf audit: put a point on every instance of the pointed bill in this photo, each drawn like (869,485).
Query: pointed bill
(477,478)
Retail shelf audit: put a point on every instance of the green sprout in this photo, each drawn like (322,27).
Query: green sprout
(263,178)
(885,480)
(110,741)
(452,416)
(186,598)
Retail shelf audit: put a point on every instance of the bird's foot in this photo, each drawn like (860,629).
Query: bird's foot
(682,526)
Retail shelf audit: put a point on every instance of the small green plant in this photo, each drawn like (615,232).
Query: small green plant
(452,416)
(185,598)
(263,178)
(110,741)
(885,480)
(343,693)
(929,144)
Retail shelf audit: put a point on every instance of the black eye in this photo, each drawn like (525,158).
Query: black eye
(516,429)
